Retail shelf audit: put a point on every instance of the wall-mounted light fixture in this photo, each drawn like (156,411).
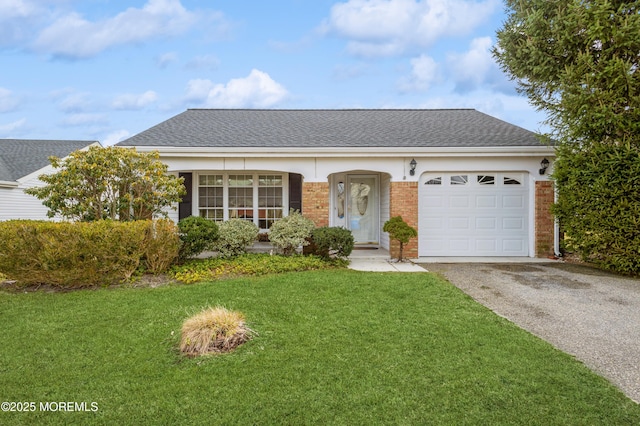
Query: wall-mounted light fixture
(544,164)
(412,167)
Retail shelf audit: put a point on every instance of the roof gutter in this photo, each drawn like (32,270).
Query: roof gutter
(296,152)
(8,184)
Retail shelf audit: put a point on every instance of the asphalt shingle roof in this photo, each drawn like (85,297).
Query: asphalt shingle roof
(247,128)
(20,157)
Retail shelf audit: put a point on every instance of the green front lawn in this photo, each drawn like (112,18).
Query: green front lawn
(333,347)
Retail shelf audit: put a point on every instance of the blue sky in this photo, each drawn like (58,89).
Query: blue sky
(105,70)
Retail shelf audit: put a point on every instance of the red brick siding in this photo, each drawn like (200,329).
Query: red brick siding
(315,202)
(403,201)
(544,221)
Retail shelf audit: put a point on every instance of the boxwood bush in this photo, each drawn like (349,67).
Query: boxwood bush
(598,204)
(331,241)
(197,234)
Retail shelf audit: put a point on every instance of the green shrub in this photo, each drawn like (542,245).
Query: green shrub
(598,204)
(400,231)
(331,241)
(161,245)
(197,234)
(291,232)
(235,235)
(65,254)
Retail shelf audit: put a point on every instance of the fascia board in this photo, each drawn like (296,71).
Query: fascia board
(270,152)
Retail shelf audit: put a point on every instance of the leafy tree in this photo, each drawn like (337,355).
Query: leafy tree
(108,183)
(400,231)
(577,60)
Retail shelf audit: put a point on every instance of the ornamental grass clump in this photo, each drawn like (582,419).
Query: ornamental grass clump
(213,331)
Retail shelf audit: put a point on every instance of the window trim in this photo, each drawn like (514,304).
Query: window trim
(225,185)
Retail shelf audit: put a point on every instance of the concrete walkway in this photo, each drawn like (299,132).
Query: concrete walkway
(379,260)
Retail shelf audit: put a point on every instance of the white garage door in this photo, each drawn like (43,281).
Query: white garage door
(473,214)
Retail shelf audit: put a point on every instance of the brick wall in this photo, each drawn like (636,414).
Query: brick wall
(404,202)
(544,221)
(315,202)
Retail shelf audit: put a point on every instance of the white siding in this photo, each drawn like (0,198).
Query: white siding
(15,204)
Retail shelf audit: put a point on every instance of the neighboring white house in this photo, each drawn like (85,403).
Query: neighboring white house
(21,162)
(471,184)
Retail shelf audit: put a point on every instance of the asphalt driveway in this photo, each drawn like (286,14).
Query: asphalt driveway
(590,314)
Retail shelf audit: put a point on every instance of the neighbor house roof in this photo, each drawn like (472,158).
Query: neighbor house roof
(388,128)
(20,157)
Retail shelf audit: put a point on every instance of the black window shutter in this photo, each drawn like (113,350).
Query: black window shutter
(295,191)
(184,207)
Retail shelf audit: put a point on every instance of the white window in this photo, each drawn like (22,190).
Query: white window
(270,200)
(211,197)
(434,181)
(241,197)
(486,179)
(459,179)
(258,198)
(511,181)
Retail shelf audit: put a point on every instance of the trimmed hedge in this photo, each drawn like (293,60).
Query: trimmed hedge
(598,204)
(79,254)
(162,245)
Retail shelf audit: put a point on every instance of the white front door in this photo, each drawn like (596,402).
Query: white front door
(473,214)
(362,208)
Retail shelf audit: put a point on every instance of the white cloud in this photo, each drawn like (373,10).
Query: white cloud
(425,72)
(73,36)
(257,90)
(115,137)
(388,27)
(8,101)
(72,101)
(7,129)
(17,18)
(17,9)
(511,108)
(198,90)
(477,67)
(132,101)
